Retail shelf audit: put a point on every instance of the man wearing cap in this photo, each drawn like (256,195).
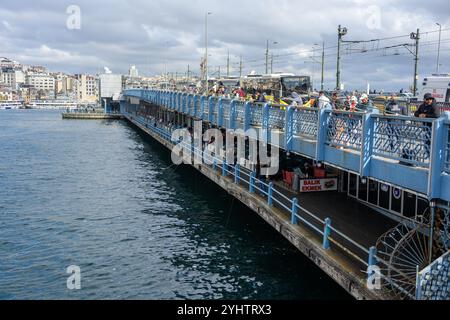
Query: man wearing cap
(428,109)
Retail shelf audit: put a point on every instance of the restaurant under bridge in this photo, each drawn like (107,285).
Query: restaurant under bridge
(397,170)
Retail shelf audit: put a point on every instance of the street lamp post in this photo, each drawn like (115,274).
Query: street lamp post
(206,51)
(439,49)
(341,32)
(267,56)
(416,37)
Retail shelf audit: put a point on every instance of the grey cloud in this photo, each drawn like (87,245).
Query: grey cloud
(151,33)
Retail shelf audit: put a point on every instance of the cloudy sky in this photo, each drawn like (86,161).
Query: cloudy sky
(152,34)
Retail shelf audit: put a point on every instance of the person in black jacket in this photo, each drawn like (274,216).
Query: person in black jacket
(428,109)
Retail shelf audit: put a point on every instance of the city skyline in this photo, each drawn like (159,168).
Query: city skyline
(154,38)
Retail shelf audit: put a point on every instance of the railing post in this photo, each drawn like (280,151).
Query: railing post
(289,129)
(326,234)
(368,135)
(215,164)
(232,124)
(294,211)
(247,116)
(224,168)
(211,110)
(203,100)
(322,134)
(266,123)
(372,257)
(418,284)
(220,113)
(270,194)
(437,159)
(237,174)
(252,182)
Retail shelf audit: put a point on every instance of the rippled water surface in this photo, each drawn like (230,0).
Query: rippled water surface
(104,197)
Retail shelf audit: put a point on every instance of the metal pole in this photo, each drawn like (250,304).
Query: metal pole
(439,49)
(228,64)
(416,65)
(240,68)
(267,57)
(432,223)
(271,64)
(206,52)
(323,67)
(338,72)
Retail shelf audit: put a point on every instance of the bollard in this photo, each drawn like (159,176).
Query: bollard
(326,234)
(270,194)
(237,175)
(294,211)
(252,182)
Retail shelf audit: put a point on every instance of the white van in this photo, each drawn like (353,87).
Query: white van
(438,85)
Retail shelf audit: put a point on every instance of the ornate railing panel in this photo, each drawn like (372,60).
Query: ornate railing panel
(306,122)
(256,114)
(226,105)
(403,139)
(433,282)
(277,118)
(345,130)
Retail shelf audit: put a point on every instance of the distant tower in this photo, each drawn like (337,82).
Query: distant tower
(133,73)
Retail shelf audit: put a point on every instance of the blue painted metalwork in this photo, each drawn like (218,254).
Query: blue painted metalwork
(251,187)
(224,168)
(294,211)
(247,116)
(225,113)
(232,116)
(326,234)
(369,144)
(372,257)
(270,194)
(447,147)
(289,129)
(256,115)
(211,106)
(305,122)
(240,114)
(220,112)
(345,130)
(191,105)
(433,282)
(237,174)
(277,118)
(406,141)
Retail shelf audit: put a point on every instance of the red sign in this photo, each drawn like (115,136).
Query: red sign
(318,185)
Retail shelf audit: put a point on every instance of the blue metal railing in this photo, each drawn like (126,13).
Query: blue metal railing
(407,140)
(331,237)
(345,130)
(256,115)
(306,122)
(447,148)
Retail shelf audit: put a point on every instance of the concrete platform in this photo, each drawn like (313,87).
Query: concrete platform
(91,116)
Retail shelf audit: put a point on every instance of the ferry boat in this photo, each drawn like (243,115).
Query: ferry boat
(9,105)
(52,104)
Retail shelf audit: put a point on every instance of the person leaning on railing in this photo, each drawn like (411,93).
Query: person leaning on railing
(428,110)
